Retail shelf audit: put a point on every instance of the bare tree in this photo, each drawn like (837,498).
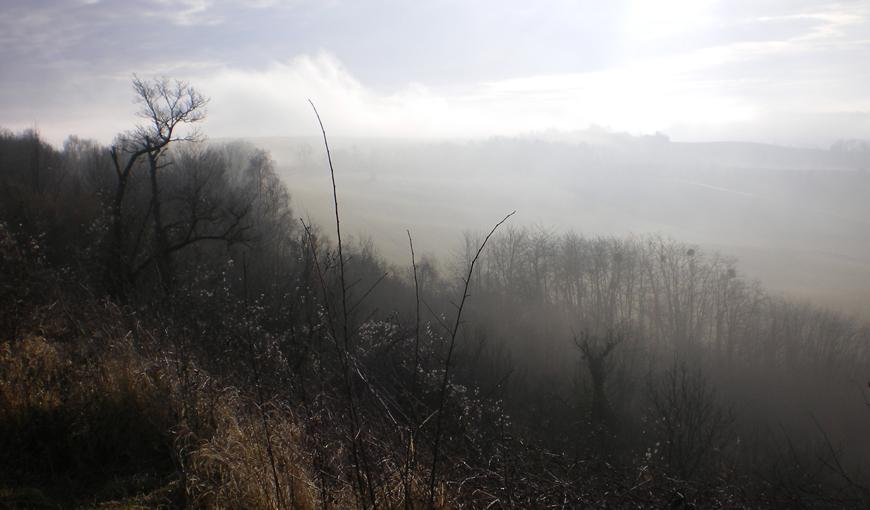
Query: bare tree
(166,106)
(204,201)
(595,351)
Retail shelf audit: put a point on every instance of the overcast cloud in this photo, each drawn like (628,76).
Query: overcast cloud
(789,72)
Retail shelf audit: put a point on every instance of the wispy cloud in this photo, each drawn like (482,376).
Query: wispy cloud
(186,12)
(678,66)
(643,97)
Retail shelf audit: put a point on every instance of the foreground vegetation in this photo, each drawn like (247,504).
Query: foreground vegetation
(171,336)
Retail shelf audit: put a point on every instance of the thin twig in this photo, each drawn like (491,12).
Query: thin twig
(410,455)
(446,378)
(357,446)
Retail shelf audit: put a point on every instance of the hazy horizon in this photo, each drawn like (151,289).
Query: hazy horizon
(795,219)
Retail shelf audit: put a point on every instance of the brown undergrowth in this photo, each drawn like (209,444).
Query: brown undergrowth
(98,417)
(101,408)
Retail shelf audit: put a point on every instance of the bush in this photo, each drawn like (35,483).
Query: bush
(689,425)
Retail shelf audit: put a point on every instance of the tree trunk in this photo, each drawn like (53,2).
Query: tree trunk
(161,243)
(115,273)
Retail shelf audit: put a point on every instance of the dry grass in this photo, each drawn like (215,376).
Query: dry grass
(232,465)
(97,417)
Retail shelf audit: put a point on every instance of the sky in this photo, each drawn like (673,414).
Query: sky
(793,72)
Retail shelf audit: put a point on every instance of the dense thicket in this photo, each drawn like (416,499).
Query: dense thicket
(223,356)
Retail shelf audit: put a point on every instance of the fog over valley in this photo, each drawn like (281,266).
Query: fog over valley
(796,219)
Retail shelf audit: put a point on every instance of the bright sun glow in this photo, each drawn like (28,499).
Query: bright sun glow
(665,18)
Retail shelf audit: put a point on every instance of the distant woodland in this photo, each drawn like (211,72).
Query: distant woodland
(174,335)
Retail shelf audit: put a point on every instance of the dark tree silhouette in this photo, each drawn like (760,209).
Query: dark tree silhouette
(165,106)
(595,351)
